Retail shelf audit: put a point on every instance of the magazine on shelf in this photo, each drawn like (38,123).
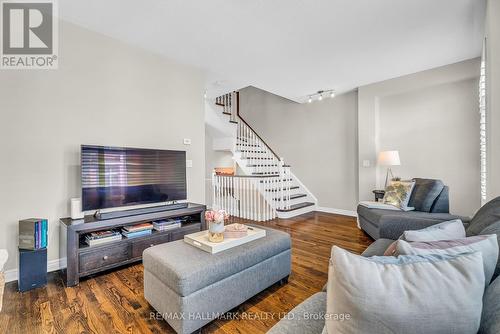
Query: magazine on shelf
(101,234)
(100,241)
(167,227)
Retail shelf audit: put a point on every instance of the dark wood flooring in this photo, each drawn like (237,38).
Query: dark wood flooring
(114,303)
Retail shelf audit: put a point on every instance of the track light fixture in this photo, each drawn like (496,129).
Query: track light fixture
(320,94)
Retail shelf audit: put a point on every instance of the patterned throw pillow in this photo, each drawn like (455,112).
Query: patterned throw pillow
(398,194)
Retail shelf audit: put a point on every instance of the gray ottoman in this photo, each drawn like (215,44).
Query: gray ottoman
(190,287)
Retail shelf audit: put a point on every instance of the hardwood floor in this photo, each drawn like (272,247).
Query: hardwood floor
(113,302)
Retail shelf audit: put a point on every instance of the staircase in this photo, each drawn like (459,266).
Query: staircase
(265,188)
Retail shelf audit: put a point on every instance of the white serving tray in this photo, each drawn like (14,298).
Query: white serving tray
(200,240)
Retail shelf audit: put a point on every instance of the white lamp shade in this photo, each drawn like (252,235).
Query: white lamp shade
(389,158)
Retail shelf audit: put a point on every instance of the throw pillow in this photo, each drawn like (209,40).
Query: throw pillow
(490,322)
(425,193)
(398,194)
(448,230)
(410,294)
(486,244)
(487,215)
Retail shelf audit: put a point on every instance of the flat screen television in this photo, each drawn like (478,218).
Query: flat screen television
(119,176)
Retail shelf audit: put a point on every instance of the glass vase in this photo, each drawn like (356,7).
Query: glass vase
(216,231)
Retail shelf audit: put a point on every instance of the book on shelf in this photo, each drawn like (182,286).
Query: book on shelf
(167,227)
(138,227)
(102,234)
(100,241)
(33,233)
(167,222)
(136,234)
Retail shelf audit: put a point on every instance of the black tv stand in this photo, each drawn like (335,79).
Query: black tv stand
(141,211)
(84,260)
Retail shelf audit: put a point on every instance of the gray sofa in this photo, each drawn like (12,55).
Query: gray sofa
(430,198)
(485,221)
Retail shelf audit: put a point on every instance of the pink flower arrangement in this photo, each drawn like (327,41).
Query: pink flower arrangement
(209,216)
(216,216)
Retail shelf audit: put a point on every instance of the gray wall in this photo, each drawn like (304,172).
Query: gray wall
(317,139)
(432,119)
(104,92)
(435,130)
(493,96)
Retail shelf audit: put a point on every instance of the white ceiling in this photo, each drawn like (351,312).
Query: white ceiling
(293,47)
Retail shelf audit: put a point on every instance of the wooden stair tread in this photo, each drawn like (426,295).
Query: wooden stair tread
(295,196)
(296,207)
(226,113)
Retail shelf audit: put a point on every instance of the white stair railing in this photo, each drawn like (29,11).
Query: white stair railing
(268,187)
(241,196)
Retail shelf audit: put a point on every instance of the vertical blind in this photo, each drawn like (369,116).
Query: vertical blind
(482,125)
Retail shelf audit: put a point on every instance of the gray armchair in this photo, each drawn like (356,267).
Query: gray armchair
(430,198)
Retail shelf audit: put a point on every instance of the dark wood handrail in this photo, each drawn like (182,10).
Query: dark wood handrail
(255,132)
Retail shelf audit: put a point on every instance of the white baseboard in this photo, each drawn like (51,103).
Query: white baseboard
(53,265)
(337,211)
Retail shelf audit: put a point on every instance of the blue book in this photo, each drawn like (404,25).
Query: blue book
(36,235)
(44,233)
(40,234)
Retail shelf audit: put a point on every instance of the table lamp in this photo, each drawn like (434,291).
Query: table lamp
(389,158)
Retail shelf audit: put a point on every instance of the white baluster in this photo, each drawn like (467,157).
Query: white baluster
(239,197)
(256,206)
(248,200)
(218,193)
(251,199)
(226,196)
(223,191)
(259,216)
(244,198)
(214,191)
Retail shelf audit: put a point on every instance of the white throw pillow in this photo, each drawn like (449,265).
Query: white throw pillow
(486,244)
(449,230)
(411,294)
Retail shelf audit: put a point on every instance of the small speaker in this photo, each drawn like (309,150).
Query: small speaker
(76,208)
(32,269)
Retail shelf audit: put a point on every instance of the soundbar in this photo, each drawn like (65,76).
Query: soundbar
(141,211)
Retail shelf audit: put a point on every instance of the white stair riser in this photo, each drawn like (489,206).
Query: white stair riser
(298,212)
